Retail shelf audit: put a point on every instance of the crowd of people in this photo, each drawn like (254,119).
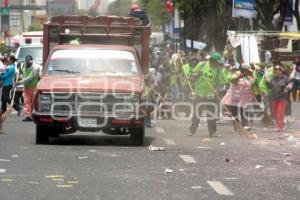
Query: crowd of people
(217,85)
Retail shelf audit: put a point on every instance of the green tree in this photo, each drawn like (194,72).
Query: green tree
(119,7)
(35,27)
(83,12)
(266,12)
(207,21)
(3,48)
(156,12)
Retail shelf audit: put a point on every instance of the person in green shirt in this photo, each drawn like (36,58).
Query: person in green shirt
(208,77)
(263,86)
(257,76)
(187,70)
(30,81)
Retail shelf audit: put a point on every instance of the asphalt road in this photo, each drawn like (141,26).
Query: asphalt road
(93,166)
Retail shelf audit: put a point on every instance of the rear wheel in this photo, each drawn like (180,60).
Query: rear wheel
(137,136)
(42,134)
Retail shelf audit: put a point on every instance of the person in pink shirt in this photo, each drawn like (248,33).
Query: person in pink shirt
(239,95)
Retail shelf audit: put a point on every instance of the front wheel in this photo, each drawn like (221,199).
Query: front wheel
(137,136)
(42,134)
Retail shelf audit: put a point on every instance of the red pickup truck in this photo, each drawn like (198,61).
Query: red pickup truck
(96,83)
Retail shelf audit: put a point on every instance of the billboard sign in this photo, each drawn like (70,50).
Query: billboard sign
(243,8)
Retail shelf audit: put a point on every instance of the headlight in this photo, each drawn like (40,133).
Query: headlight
(45,97)
(45,103)
(45,107)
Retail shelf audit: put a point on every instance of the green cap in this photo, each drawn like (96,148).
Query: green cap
(217,57)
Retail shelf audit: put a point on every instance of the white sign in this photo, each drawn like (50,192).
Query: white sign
(196,44)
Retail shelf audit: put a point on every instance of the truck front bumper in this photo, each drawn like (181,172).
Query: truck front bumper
(89,122)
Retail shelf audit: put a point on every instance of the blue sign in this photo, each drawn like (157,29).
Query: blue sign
(243,8)
(244,4)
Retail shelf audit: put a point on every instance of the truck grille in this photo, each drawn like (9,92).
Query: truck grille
(90,103)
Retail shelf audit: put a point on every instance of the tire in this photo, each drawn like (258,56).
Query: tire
(137,136)
(42,134)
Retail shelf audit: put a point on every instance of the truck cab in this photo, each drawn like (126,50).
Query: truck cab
(96,84)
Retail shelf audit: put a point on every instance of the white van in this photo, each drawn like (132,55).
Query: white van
(31,38)
(31,43)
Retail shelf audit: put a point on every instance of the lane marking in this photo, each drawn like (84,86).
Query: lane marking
(187,159)
(7,180)
(4,160)
(170,141)
(34,182)
(160,130)
(220,188)
(55,176)
(64,186)
(57,179)
(202,147)
(72,182)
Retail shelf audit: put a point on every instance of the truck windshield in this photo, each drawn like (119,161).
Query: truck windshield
(92,62)
(35,52)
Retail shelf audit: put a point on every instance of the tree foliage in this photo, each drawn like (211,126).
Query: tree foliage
(270,15)
(35,27)
(206,20)
(157,12)
(119,7)
(3,48)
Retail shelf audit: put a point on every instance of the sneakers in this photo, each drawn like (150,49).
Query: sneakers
(27,119)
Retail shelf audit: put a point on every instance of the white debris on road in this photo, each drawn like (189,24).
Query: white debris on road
(168,171)
(153,148)
(259,166)
(287,163)
(196,187)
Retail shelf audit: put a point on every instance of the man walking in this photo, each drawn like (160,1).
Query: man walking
(208,76)
(30,81)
